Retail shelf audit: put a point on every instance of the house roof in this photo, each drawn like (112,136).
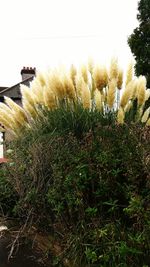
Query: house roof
(14,91)
(2,88)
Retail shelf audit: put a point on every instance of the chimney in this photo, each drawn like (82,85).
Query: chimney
(27,72)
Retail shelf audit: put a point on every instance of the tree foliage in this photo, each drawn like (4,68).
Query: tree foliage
(139,41)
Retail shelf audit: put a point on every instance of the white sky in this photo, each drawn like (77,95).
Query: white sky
(43,33)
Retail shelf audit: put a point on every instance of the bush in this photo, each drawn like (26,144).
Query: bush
(8,196)
(86,178)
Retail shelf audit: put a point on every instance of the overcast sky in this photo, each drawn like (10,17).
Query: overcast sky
(44,33)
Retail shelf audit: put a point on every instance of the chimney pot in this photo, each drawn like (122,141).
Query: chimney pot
(27,72)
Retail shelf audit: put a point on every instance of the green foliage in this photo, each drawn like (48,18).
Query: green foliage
(86,178)
(139,40)
(8,197)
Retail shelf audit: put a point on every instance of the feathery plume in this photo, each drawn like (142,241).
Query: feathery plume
(113,72)
(148,122)
(128,106)
(98,99)
(69,87)
(84,73)
(145,115)
(6,108)
(5,121)
(49,98)
(90,65)
(42,78)
(111,92)
(147,94)
(37,90)
(29,109)
(100,77)
(73,73)
(134,88)
(127,95)
(141,90)
(56,85)
(86,96)
(17,111)
(27,94)
(79,81)
(129,74)
(120,79)
(120,116)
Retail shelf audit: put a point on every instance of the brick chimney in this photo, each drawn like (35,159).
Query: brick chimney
(27,72)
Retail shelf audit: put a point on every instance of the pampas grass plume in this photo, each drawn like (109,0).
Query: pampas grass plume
(148,122)
(90,65)
(145,115)
(113,71)
(29,109)
(6,108)
(120,79)
(37,90)
(84,73)
(49,98)
(129,74)
(111,92)
(5,120)
(147,94)
(86,96)
(141,90)
(79,82)
(128,106)
(27,94)
(42,78)
(120,116)
(69,87)
(17,111)
(100,77)
(98,99)
(127,95)
(73,73)
(56,85)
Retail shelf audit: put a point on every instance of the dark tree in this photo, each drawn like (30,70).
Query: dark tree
(139,41)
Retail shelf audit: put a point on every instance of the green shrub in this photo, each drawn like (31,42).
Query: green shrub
(86,178)
(8,196)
